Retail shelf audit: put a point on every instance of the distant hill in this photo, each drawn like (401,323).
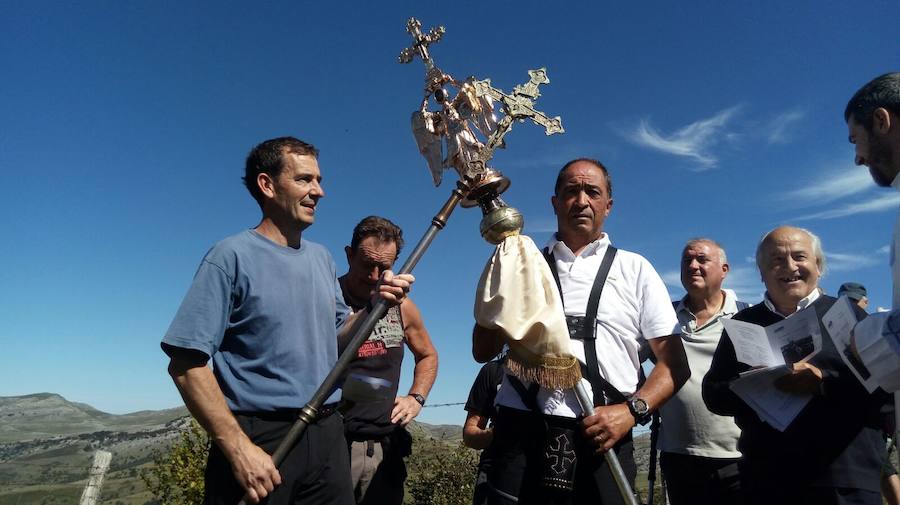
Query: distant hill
(45,415)
(47,442)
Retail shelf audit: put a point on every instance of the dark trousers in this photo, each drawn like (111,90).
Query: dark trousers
(516,472)
(482,487)
(771,483)
(696,480)
(812,496)
(315,471)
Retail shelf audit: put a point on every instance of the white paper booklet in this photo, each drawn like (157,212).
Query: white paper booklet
(839,321)
(777,408)
(772,350)
(783,343)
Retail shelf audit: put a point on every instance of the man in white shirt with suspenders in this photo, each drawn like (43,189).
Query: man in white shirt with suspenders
(614,301)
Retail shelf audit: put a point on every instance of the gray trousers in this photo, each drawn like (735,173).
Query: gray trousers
(377,472)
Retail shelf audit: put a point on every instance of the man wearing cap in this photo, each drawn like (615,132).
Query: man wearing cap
(832,452)
(856,292)
(375,427)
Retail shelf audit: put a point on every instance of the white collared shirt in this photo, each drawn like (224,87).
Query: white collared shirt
(804,302)
(634,306)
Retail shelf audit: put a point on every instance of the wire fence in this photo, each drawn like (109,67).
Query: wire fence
(445,404)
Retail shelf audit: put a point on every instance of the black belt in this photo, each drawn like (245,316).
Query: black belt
(290,415)
(526,423)
(527,420)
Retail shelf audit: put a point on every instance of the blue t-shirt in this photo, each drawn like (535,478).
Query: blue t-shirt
(267,315)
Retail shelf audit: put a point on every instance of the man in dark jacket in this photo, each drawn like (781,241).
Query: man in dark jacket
(832,452)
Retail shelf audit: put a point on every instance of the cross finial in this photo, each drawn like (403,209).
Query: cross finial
(519,105)
(421,42)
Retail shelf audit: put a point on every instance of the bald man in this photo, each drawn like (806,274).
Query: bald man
(832,453)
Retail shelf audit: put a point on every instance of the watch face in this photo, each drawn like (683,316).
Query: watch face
(639,406)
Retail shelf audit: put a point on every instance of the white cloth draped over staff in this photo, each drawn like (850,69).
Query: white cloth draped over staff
(518,297)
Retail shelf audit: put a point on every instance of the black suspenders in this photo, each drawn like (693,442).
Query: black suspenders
(585,329)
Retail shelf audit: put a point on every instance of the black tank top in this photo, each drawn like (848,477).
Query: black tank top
(381,356)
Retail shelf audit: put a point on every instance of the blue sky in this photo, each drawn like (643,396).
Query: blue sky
(125,126)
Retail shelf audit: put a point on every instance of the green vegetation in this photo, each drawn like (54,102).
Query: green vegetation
(176,477)
(440,473)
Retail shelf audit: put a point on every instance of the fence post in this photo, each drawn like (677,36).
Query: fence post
(91,493)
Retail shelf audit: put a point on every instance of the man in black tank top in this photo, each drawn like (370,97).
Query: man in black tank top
(375,426)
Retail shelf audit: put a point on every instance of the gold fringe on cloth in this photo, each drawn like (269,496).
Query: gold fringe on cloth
(549,372)
(518,297)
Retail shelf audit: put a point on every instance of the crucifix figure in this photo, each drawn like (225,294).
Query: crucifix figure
(519,105)
(464,132)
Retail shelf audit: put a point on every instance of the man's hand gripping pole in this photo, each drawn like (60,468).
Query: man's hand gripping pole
(612,461)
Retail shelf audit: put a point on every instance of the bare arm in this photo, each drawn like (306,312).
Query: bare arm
(609,424)
(486,343)
(669,373)
(419,342)
(252,466)
(476,434)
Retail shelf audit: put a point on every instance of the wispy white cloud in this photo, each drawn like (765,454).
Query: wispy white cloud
(885,249)
(693,141)
(780,128)
(842,262)
(834,185)
(672,278)
(540,225)
(884,202)
(746,284)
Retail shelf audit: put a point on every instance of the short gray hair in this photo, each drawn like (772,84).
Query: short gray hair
(703,240)
(816,244)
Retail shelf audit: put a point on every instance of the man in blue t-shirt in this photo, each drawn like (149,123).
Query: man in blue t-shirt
(265,306)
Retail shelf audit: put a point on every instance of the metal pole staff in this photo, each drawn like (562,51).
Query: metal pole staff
(612,461)
(309,412)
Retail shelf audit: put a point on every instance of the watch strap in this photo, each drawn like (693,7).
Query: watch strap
(641,418)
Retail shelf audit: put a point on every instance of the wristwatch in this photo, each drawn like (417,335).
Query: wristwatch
(419,398)
(639,409)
